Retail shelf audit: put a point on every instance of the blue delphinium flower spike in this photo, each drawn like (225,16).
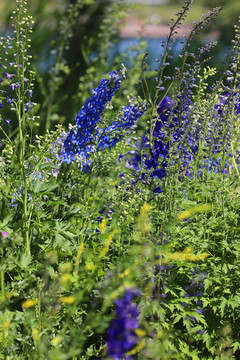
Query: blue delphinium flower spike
(78,143)
(122,331)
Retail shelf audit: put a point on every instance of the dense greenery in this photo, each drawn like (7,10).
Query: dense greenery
(119,232)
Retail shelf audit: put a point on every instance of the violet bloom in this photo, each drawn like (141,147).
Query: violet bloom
(78,143)
(89,137)
(121,334)
(9,76)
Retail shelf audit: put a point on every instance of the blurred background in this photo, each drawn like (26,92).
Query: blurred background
(97,36)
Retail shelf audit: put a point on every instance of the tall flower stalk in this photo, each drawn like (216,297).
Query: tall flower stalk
(22,28)
(16,80)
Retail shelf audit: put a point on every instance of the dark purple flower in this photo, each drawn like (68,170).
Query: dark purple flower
(14,86)
(78,143)
(9,100)
(9,76)
(121,333)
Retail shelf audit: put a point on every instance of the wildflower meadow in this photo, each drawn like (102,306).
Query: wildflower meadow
(119,192)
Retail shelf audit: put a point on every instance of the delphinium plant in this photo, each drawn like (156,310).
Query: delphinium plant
(16,93)
(198,151)
(118,243)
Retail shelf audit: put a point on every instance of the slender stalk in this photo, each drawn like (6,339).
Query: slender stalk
(161,71)
(2,281)
(22,130)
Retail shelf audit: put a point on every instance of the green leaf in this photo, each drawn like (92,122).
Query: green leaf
(222,306)
(177,318)
(25,261)
(233,302)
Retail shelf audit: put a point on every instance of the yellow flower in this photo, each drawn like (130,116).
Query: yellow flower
(137,348)
(68,299)
(143,223)
(115,294)
(35,334)
(102,226)
(8,295)
(90,266)
(64,278)
(56,340)
(79,253)
(108,242)
(78,257)
(125,273)
(28,303)
(140,332)
(5,325)
(199,208)
(187,254)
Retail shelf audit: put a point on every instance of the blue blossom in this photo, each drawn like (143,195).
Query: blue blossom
(14,86)
(150,162)
(9,100)
(78,144)
(109,136)
(121,333)
(174,129)
(9,76)
(89,137)
(29,105)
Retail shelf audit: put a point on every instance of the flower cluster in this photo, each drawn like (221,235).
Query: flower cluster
(105,213)
(89,137)
(78,144)
(176,139)
(152,159)
(122,335)
(16,78)
(58,150)
(130,115)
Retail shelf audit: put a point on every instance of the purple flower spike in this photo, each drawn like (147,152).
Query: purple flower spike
(121,333)
(76,143)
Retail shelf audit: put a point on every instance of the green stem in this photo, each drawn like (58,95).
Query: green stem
(22,129)
(234,161)
(2,280)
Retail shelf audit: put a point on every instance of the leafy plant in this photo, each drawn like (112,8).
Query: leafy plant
(119,233)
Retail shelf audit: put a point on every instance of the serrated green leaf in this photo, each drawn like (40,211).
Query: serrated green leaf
(222,306)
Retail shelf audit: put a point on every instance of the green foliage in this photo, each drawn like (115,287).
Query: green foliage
(73,241)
